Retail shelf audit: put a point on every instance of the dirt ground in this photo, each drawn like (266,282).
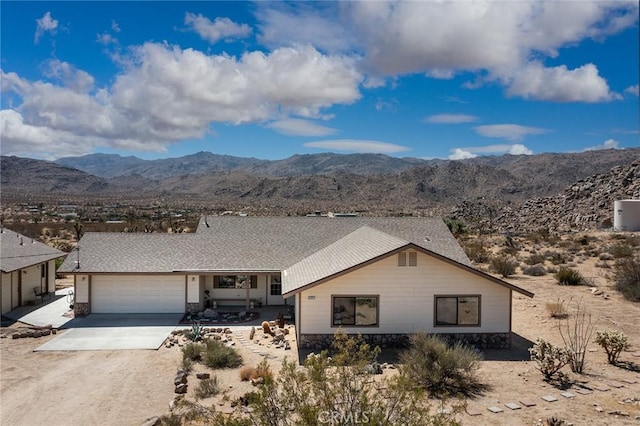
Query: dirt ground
(127,387)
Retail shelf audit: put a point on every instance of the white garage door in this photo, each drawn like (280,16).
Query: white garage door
(137,294)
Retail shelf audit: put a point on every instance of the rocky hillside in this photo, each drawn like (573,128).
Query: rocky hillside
(586,204)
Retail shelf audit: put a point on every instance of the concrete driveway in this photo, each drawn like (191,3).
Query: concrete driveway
(114,332)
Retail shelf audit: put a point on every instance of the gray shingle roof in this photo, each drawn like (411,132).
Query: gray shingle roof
(232,243)
(18,251)
(358,247)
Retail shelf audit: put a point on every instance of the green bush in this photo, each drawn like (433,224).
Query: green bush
(207,388)
(626,275)
(217,355)
(550,358)
(193,351)
(440,368)
(568,276)
(503,265)
(613,343)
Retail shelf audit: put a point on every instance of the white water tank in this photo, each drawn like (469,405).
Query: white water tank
(626,215)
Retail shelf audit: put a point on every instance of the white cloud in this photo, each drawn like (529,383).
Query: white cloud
(114,26)
(77,80)
(43,25)
(166,94)
(511,132)
(219,29)
(583,84)
(106,39)
(474,151)
(461,154)
(632,90)
(297,127)
(285,24)
(356,145)
(499,41)
(450,118)
(608,144)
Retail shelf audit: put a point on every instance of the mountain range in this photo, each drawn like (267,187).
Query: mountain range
(373,183)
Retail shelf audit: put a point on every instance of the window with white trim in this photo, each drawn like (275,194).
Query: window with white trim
(408,258)
(275,287)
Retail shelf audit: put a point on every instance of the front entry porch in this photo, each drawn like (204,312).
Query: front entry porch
(213,290)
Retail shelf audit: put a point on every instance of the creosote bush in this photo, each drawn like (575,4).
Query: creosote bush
(503,265)
(613,343)
(550,358)
(440,368)
(626,275)
(568,276)
(534,259)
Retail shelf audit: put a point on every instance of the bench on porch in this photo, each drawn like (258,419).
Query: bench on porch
(41,294)
(237,302)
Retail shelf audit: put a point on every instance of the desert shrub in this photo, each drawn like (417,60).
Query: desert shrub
(171,420)
(554,421)
(263,371)
(605,256)
(503,265)
(549,358)
(626,275)
(568,276)
(476,252)
(603,264)
(247,373)
(343,384)
(217,355)
(187,364)
(556,257)
(557,309)
(552,269)
(537,270)
(192,351)
(440,368)
(613,343)
(621,250)
(207,387)
(534,259)
(456,226)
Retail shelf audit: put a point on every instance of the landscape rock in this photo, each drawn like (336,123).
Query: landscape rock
(152,421)
(203,376)
(181,388)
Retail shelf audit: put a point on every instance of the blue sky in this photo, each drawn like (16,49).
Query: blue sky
(272,79)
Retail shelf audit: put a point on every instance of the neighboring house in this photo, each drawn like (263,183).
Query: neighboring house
(382,277)
(28,269)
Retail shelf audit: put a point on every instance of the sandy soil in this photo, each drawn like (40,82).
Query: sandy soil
(127,387)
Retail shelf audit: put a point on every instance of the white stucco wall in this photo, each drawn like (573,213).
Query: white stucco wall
(6,292)
(406,298)
(30,279)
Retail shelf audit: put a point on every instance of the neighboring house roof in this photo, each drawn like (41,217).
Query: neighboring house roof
(246,244)
(18,251)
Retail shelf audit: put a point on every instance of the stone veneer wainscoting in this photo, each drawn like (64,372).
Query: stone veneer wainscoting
(478,340)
